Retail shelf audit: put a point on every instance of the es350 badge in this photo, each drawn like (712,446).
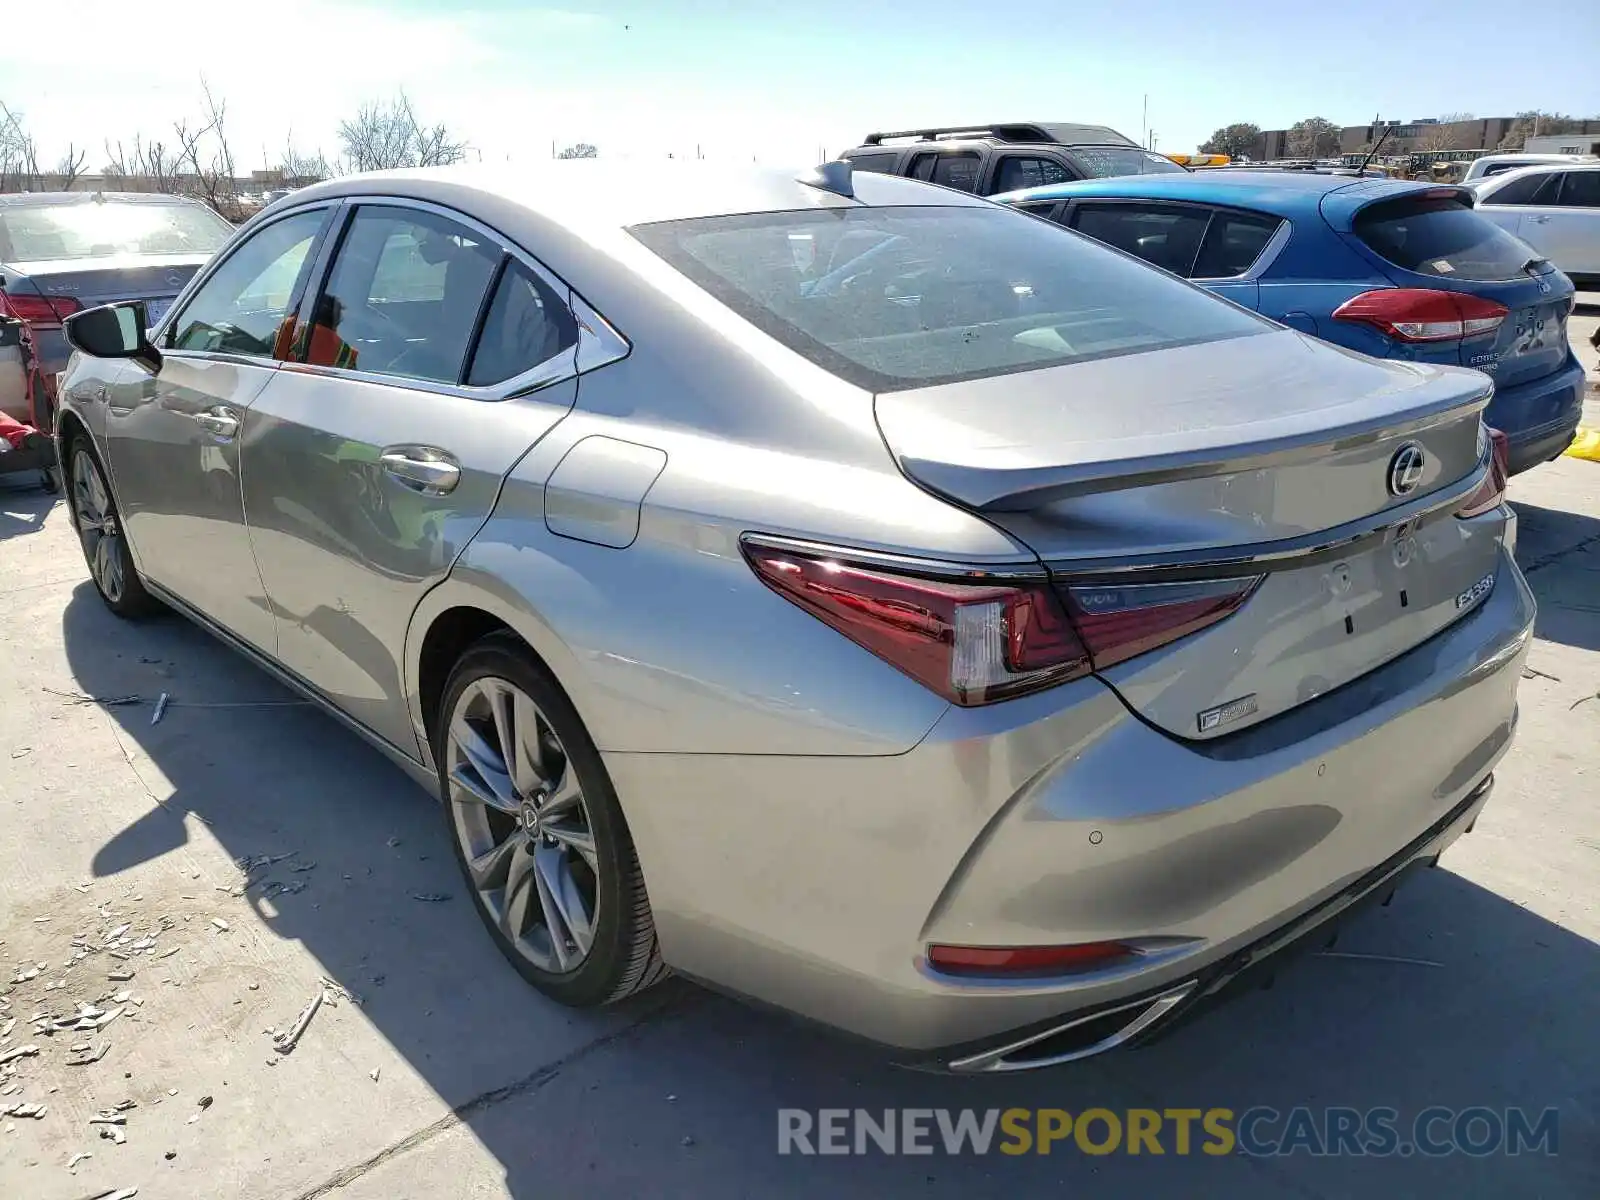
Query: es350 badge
(1475,593)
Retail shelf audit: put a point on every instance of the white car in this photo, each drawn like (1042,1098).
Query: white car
(1555,209)
(1491,165)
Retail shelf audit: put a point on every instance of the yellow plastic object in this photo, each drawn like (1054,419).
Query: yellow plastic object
(1586,445)
(1200,160)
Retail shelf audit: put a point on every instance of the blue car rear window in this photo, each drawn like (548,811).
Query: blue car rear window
(894,298)
(1442,237)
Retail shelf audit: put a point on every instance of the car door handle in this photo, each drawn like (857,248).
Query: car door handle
(220,421)
(422,469)
(1538,218)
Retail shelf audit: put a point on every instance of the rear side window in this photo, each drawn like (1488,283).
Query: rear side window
(527,324)
(1581,189)
(1018,171)
(1233,243)
(894,298)
(1530,189)
(1165,235)
(1442,238)
(882,163)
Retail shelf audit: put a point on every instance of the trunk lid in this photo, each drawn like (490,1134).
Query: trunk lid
(1267,456)
(153,278)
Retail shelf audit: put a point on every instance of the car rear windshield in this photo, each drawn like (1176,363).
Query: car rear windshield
(894,298)
(1444,238)
(1106,162)
(102,228)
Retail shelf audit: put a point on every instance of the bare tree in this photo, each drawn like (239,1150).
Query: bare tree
(205,157)
(19,155)
(384,135)
(300,167)
(580,150)
(70,166)
(151,166)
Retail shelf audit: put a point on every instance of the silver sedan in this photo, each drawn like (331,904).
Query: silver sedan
(841,590)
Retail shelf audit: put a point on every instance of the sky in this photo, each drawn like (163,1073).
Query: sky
(780,81)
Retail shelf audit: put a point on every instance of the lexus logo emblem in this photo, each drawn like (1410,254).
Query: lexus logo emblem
(174,279)
(1405,469)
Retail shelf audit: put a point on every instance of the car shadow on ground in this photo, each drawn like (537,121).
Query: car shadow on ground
(1569,598)
(23,506)
(678,1093)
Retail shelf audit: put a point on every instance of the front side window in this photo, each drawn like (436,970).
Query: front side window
(1165,235)
(403,296)
(1018,171)
(240,308)
(527,324)
(916,296)
(1580,189)
(103,228)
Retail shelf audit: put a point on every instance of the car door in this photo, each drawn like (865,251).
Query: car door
(173,437)
(1571,227)
(430,360)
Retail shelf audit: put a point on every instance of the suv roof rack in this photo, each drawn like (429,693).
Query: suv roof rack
(1062,133)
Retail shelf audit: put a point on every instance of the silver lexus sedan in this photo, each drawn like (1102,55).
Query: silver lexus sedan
(842,590)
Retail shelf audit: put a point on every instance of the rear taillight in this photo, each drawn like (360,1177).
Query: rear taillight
(37,310)
(1493,489)
(971,643)
(1120,621)
(1422,314)
(976,643)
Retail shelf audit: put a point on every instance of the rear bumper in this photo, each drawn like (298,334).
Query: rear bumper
(1157,1014)
(815,884)
(1522,414)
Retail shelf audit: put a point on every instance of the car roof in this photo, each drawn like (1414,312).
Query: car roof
(1282,192)
(614,194)
(1491,184)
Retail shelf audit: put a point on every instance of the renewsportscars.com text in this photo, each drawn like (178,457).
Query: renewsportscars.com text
(1258,1131)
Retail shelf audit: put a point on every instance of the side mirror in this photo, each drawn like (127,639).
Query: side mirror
(114,331)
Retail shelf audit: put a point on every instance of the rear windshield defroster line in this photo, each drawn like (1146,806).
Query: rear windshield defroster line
(893,298)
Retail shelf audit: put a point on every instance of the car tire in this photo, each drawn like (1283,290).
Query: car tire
(98,522)
(530,854)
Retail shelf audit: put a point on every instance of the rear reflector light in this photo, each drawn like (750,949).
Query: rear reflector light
(1493,490)
(37,310)
(1422,314)
(1031,960)
(971,643)
(1118,622)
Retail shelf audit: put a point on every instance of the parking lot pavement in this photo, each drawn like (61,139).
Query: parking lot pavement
(452,1078)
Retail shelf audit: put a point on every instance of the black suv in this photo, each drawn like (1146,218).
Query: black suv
(988,159)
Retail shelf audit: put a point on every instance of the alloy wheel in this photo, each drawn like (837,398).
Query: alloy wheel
(97,525)
(518,810)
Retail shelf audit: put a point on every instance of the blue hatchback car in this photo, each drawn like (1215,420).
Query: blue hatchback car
(1392,269)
